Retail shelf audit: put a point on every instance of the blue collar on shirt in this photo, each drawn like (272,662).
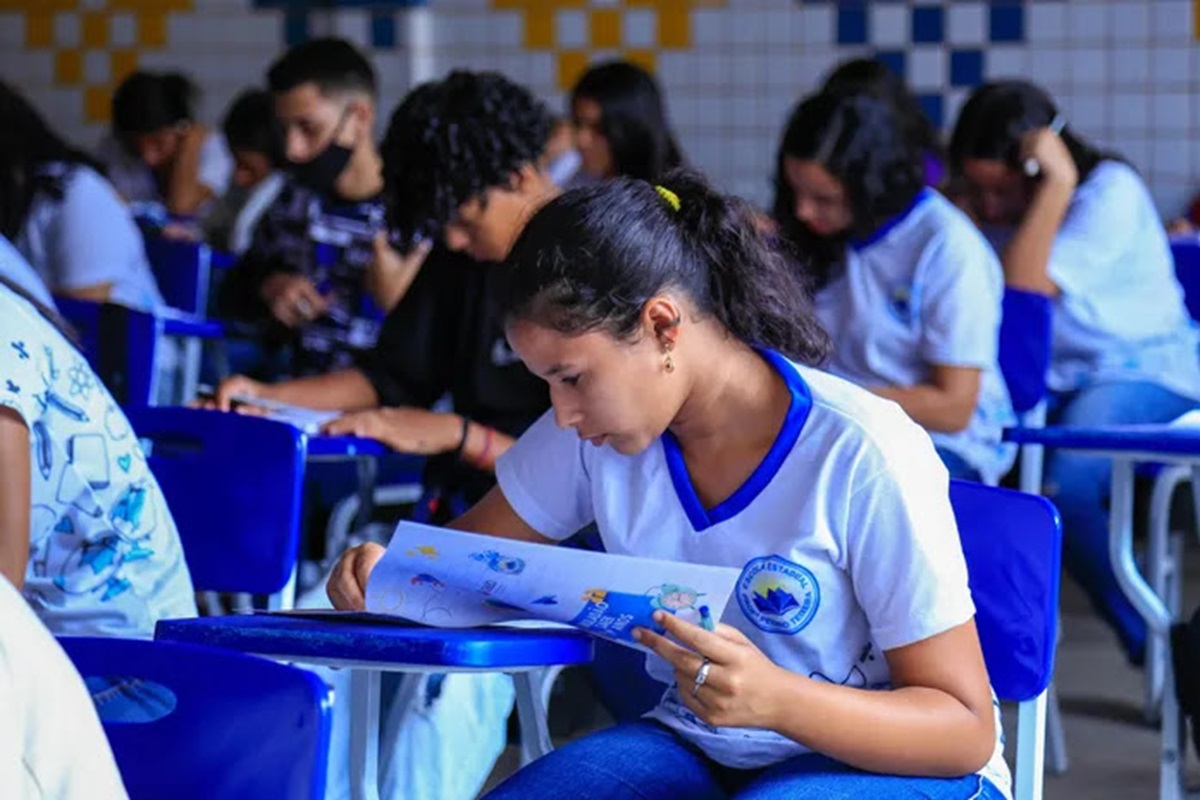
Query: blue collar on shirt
(789,434)
(886,228)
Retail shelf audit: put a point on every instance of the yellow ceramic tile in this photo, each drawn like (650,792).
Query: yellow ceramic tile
(646,59)
(539,31)
(151,5)
(605,28)
(39,6)
(97,103)
(39,29)
(121,64)
(1196,18)
(95,30)
(571,65)
(68,67)
(152,29)
(674,28)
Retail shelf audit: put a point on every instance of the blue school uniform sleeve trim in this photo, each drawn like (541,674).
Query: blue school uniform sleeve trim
(886,228)
(789,434)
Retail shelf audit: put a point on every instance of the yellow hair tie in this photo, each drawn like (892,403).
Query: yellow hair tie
(666,194)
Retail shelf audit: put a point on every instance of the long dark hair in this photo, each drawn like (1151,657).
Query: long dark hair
(591,258)
(633,119)
(146,102)
(873,77)
(859,140)
(996,116)
(27,144)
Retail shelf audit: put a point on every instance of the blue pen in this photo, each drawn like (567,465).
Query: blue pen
(706,620)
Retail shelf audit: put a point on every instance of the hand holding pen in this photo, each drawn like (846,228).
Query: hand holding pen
(1044,154)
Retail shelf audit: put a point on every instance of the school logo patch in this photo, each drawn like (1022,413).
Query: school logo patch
(901,302)
(777,595)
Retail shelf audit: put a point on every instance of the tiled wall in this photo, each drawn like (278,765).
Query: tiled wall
(1124,70)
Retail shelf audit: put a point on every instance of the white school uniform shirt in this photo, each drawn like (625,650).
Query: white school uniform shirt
(136,183)
(88,237)
(844,534)
(1120,313)
(104,556)
(15,268)
(51,744)
(925,289)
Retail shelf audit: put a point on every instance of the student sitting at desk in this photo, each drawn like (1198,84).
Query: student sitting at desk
(158,152)
(84,530)
(65,217)
(689,424)
(1077,224)
(906,286)
(318,248)
(450,176)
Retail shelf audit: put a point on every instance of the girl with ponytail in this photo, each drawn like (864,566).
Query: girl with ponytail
(690,423)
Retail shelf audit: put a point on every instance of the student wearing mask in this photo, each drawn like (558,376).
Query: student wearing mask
(1078,225)
(63,215)
(322,245)
(689,423)
(449,178)
(621,123)
(906,286)
(159,152)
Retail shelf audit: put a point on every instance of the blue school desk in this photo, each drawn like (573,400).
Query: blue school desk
(369,649)
(1128,445)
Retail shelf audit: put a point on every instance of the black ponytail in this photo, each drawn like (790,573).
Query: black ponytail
(591,258)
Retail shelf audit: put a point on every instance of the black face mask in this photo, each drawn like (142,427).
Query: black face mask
(321,172)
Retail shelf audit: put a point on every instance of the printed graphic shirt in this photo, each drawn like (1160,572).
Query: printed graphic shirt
(105,557)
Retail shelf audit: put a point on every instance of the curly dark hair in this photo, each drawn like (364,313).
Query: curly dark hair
(450,140)
(592,257)
(27,144)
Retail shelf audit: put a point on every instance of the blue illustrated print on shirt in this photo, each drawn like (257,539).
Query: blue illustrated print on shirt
(22,353)
(12,387)
(137,552)
(126,515)
(778,596)
(114,587)
(51,399)
(80,378)
(64,525)
(124,462)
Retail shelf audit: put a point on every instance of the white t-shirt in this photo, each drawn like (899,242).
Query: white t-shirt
(1120,314)
(86,238)
(51,744)
(135,181)
(925,290)
(844,534)
(105,557)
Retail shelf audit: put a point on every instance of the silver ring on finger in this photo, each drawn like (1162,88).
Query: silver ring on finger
(701,675)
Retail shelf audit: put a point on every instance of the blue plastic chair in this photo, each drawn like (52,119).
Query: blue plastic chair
(120,344)
(183,271)
(1024,349)
(234,485)
(241,726)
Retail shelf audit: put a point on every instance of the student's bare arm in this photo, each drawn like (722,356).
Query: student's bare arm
(15,496)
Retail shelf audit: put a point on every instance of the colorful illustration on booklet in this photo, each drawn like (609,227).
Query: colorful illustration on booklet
(425,579)
(546,600)
(390,600)
(492,602)
(505,565)
(614,615)
(423,550)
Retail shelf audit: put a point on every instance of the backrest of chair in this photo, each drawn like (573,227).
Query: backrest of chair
(183,272)
(234,485)
(240,726)
(120,344)
(1186,252)
(1012,544)
(1025,339)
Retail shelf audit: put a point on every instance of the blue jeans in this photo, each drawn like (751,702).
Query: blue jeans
(1079,485)
(646,761)
(957,466)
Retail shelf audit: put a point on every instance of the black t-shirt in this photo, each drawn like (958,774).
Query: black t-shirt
(446,336)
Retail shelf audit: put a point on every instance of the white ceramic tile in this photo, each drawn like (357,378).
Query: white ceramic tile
(710,111)
(708,27)
(1088,112)
(1129,113)
(1170,155)
(1135,150)
(748,72)
(745,29)
(122,29)
(505,27)
(817,25)
(1048,66)
(779,25)
(1171,113)
(966,23)
(711,70)
(1090,66)
(1089,21)
(1006,61)
(1130,20)
(96,70)
(639,27)
(927,67)
(1131,67)
(571,28)
(674,72)
(1170,66)
(1046,23)
(953,103)
(889,24)
(1171,21)
(353,26)
(66,29)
